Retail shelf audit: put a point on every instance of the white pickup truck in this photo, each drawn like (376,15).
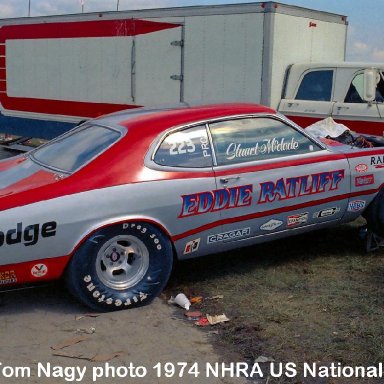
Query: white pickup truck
(352,93)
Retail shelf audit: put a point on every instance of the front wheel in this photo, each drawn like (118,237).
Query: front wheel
(121,266)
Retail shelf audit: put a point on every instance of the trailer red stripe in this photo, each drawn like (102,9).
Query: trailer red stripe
(98,28)
(78,29)
(59,107)
(2,62)
(271,212)
(3,86)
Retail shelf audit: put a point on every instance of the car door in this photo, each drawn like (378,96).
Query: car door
(186,200)
(276,178)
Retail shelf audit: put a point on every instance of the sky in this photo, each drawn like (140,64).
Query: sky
(365,17)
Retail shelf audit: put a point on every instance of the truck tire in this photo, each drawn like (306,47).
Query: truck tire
(121,266)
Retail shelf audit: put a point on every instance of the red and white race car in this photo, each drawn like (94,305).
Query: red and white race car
(110,204)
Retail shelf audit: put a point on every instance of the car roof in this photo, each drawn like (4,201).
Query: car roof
(161,118)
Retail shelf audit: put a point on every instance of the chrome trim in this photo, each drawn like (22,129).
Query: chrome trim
(214,159)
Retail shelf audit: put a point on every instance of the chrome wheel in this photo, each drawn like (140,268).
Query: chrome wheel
(122,262)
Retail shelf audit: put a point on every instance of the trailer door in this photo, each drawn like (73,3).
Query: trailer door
(157,67)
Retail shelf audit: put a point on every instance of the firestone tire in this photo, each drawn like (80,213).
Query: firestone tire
(120,267)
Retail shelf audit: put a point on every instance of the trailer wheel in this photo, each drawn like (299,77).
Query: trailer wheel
(120,267)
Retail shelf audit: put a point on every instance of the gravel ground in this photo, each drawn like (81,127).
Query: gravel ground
(35,320)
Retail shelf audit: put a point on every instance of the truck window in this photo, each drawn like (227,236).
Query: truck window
(316,86)
(356,90)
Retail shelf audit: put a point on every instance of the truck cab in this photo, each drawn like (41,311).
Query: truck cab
(352,93)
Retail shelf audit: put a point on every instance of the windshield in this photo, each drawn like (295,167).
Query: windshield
(76,148)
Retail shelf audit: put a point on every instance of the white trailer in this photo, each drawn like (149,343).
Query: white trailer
(58,70)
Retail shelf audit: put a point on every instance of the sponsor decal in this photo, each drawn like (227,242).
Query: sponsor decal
(28,235)
(361,181)
(8,277)
(241,196)
(39,270)
(236,151)
(326,212)
(356,205)
(218,200)
(191,246)
(271,225)
(361,168)
(377,161)
(236,233)
(298,219)
(293,187)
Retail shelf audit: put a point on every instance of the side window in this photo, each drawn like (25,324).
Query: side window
(251,139)
(316,86)
(356,90)
(189,148)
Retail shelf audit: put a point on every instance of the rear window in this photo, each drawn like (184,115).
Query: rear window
(75,149)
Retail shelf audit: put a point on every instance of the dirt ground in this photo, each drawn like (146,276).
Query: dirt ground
(35,320)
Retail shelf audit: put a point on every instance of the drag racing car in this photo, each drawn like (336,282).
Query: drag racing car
(111,204)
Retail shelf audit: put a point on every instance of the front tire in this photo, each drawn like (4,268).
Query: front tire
(121,266)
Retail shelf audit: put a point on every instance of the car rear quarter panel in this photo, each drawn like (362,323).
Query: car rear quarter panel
(367,171)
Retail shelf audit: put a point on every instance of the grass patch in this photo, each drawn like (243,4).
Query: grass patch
(313,297)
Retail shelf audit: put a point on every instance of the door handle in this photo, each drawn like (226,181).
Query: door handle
(225,180)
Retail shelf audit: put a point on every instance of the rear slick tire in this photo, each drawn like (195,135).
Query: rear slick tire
(119,267)
(374,214)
